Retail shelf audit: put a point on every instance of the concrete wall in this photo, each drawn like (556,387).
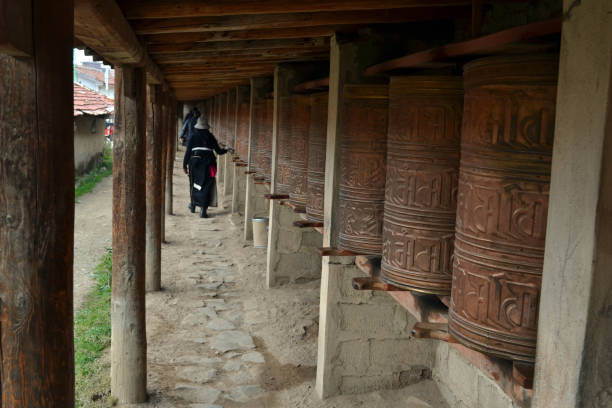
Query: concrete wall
(88,145)
(367,335)
(292,252)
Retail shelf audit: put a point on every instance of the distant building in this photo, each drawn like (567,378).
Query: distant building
(97,77)
(90,113)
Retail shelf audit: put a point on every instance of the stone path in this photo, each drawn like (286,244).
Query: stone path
(218,339)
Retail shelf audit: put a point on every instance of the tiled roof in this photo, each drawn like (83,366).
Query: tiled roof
(98,75)
(88,102)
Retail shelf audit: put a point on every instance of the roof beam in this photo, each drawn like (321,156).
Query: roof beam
(293,20)
(101,26)
(273,52)
(241,45)
(142,9)
(247,58)
(184,41)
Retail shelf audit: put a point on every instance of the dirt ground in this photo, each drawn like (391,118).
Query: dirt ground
(218,338)
(92,235)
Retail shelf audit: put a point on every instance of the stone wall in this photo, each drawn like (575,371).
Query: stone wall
(88,142)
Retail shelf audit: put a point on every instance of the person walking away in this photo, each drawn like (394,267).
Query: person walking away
(188,125)
(200,164)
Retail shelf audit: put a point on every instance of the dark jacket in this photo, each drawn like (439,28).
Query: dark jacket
(202,138)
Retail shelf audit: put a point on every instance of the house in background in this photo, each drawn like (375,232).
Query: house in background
(90,113)
(96,76)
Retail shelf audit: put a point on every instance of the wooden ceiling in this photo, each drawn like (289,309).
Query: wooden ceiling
(202,47)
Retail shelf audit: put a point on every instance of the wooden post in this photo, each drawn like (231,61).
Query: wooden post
(171,154)
(128,339)
(37,211)
(164,159)
(153,188)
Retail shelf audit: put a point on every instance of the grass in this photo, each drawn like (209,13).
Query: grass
(87,182)
(92,336)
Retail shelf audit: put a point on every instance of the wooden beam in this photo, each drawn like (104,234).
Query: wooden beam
(279,53)
(101,26)
(184,41)
(243,45)
(37,211)
(239,59)
(294,20)
(16,28)
(144,9)
(487,44)
(128,327)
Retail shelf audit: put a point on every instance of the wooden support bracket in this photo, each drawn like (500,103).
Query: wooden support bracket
(437,331)
(371,283)
(250,172)
(241,164)
(522,373)
(307,224)
(327,251)
(277,196)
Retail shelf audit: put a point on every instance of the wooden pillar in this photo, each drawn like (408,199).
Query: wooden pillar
(164,159)
(153,188)
(36,205)
(575,319)
(172,109)
(128,339)
(347,62)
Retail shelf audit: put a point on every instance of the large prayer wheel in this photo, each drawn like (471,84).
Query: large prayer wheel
(230,120)
(298,164)
(256,158)
(267,130)
(317,146)
(285,146)
(243,120)
(362,168)
(421,191)
(506,150)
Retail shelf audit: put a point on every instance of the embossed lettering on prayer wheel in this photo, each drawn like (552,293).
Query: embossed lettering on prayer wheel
(298,163)
(317,145)
(362,168)
(283,168)
(502,204)
(421,189)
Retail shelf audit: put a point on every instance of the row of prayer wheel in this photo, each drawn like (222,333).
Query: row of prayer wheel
(261,150)
(448,178)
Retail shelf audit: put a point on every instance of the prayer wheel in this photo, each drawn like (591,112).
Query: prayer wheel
(285,146)
(298,163)
(502,204)
(317,145)
(256,156)
(363,150)
(230,120)
(423,145)
(267,131)
(243,120)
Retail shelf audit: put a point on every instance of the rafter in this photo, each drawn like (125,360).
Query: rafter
(241,45)
(293,20)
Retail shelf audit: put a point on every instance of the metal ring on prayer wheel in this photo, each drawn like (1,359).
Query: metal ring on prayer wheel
(421,190)
(502,204)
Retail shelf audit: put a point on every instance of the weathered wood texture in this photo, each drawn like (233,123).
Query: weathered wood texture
(292,20)
(37,214)
(128,339)
(144,9)
(154,188)
(16,28)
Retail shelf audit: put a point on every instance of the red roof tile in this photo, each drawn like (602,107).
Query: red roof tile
(88,102)
(99,75)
